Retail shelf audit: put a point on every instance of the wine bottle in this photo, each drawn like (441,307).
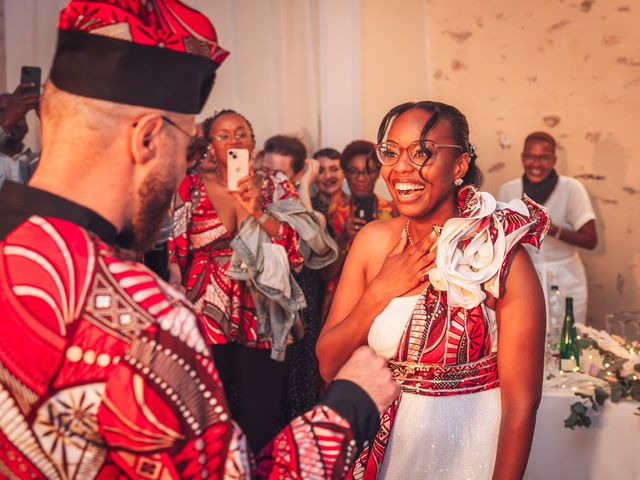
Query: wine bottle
(569,348)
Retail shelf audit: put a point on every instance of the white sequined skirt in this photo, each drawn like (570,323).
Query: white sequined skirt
(445,438)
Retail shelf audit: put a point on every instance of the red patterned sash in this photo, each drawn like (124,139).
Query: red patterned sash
(440,380)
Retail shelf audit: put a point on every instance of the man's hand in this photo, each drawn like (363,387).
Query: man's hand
(369,371)
(18,105)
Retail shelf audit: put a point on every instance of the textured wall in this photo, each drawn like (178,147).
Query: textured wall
(569,67)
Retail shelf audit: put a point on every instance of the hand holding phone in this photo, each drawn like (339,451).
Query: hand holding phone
(31,75)
(364,208)
(237,167)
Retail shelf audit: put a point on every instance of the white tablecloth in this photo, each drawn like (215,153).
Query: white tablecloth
(608,450)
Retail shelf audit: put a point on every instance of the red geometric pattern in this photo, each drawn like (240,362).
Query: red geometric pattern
(160,23)
(104,374)
(317,445)
(199,244)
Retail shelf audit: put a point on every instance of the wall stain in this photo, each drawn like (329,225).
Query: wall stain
(457,65)
(620,283)
(624,8)
(551,120)
(628,61)
(586,5)
(631,190)
(610,40)
(608,201)
(633,83)
(496,167)
(532,78)
(590,176)
(504,140)
(459,37)
(557,26)
(593,137)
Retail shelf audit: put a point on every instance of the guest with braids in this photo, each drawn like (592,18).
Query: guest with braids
(439,292)
(235,252)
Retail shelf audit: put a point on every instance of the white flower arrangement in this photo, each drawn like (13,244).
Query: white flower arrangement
(611,367)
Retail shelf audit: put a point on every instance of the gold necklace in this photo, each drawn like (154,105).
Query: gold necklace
(437,228)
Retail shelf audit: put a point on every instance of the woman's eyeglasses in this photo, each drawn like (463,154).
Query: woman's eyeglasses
(239,135)
(419,152)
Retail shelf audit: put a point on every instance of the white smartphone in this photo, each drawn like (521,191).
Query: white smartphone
(237,166)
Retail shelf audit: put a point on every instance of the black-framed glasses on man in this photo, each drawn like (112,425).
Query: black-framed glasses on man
(419,152)
(545,158)
(193,139)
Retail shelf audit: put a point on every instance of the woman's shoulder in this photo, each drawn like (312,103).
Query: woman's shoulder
(380,235)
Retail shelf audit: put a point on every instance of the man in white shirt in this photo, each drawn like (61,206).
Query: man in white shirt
(572,220)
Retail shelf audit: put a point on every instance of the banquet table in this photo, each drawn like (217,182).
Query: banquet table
(608,450)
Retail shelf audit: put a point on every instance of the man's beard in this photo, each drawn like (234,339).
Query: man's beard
(155,196)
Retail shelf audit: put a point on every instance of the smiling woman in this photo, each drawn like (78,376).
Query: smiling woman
(438,292)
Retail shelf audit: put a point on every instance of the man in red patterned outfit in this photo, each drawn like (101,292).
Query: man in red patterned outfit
(104,372)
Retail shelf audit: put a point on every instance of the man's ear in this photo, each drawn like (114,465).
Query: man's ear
(144,134)
(462,165)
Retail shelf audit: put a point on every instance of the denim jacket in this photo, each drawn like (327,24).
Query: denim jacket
(265,267)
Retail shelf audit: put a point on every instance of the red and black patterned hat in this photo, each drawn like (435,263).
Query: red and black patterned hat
(152,53)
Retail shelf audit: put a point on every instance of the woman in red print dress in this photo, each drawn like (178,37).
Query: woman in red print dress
(207,219)
(439,292)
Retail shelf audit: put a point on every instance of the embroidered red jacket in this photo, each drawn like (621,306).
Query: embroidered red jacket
(104,372)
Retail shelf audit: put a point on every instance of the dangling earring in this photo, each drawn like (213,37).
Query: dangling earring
(457,182)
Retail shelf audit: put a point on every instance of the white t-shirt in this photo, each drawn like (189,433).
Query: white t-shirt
(569,207)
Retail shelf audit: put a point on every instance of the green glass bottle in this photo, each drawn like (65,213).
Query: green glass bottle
(569,348)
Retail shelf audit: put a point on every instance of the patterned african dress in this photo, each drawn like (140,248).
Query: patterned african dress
(337,218)
(442,348)
(200,245)
(104,372)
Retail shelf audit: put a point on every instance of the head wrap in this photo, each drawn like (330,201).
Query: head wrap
(153,53)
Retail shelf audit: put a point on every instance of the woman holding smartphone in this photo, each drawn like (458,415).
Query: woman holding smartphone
(234,246)
(439,292)
(347,214)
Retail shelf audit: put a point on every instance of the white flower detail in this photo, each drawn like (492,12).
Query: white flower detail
(469,261)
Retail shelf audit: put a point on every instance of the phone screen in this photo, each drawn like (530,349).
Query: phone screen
(31,75)
(237,166)
(364,207)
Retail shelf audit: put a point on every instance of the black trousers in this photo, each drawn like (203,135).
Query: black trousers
(253,385)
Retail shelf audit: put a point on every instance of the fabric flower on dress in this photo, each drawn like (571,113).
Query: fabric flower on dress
(472,248)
